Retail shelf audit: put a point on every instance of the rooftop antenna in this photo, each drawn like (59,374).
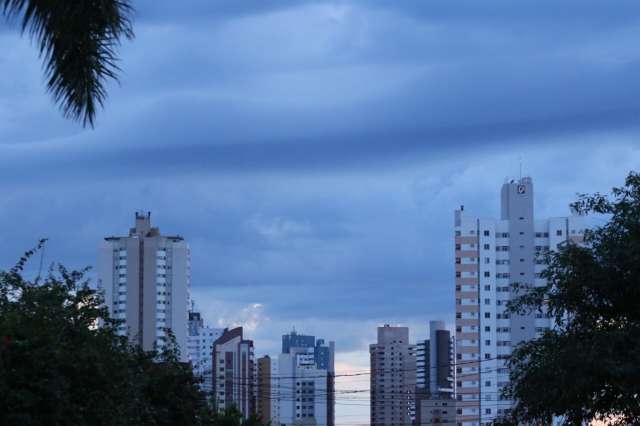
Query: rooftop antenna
(520,161)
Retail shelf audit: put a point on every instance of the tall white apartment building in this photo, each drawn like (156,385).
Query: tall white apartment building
(302,389)
(200,349)
(393,378)
(145,278)
(490,255)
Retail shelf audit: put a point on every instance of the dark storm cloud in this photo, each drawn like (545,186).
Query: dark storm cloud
(312,152)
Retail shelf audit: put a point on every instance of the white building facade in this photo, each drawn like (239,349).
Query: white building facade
(200,349)
(145,278)
(491,255)
(302,390)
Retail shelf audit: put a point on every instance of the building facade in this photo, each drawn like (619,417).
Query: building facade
(323,353)
(264,393)
(435,403)
(145,279)
(393,378)
(200,349)
(490,256)
(302,389)
(304,356)
(234,372)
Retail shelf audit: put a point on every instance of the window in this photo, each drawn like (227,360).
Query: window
(487,356)
(487,274)
(486,233)
(559,232)
(487,301)
(487,287)
(458,247)
(487,383)
(487,328)
(487,342)
(458,260)
(458,274)
(487,247)
(487,314)
(457,233)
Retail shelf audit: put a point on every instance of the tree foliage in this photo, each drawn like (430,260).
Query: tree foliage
(588,367)
(77,41)
(58,368)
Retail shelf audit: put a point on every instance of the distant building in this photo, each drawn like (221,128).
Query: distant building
(302,389)
(306,362)
(264,390)
(393,378)
(200,348)
(234,372)
(323,353)
(145,278)
(435,403)
(490,256)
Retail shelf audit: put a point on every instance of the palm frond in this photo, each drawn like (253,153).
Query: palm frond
(78,41)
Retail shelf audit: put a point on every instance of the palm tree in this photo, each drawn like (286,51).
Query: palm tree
(77,40)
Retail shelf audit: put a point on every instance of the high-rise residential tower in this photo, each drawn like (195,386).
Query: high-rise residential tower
(434,377)
(305,357)
(264,390)
(234,372)
(145,278)
(200,348)
(491,255)
(302,389)
(393,377)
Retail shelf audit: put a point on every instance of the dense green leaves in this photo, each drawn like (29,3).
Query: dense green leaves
(78,42)
(58,368)
(588,368)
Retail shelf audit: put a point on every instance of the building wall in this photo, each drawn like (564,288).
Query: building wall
(324,359)
(145,278)
(234,374)
(200,348)
(437,411)
(264,390)
(302,389)
(491,255)
(393,377)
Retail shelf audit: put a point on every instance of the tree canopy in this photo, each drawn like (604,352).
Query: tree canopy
(588,366)
(57,367)
(78,41)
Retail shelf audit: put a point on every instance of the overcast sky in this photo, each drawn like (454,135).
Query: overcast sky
(312,153)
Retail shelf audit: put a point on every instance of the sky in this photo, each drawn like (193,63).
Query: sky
(312,153)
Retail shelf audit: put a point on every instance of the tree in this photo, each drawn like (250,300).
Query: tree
(588,367)
(58,367)
(77,41)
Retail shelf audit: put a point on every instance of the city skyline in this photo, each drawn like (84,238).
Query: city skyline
(315,151)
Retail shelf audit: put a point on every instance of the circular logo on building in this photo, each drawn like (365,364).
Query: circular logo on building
(521,189)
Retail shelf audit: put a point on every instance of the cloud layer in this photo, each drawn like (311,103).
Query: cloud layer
(312,152)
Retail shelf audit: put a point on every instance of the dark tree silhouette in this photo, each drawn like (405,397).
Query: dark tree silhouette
(57,367)
(588,367)
(77,41)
